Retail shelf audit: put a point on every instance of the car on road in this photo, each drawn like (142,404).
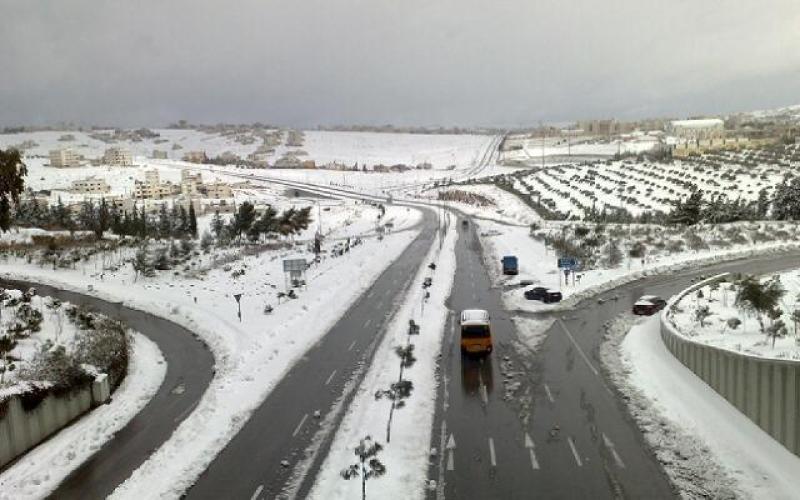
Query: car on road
(510,265)
(476,332)
(648,305)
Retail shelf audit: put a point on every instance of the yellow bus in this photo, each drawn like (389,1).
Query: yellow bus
(476,333)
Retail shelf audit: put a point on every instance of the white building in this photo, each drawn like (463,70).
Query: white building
(709,128)
(152,188)
(118,157)
(64,158)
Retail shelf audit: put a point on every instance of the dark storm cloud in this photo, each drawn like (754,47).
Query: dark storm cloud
(450,62)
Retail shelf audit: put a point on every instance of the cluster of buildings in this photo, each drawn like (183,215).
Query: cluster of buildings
(68,158)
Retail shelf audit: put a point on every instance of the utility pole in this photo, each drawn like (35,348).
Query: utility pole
(541,131)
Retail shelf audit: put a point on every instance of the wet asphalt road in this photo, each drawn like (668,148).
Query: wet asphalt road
(189,371)
(548,425)
(284,427)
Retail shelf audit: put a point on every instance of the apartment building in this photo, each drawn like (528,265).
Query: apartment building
(190,183)
(64,158)
(195,156)
(152,187)
(91,185)
(118,157)
(218,190)
(159,154)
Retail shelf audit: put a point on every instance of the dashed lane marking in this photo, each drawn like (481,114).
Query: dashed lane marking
(351,346)
(367,323)
(492,456)
(574,452)
(580,351)
(530,446)
(613,449)
(330,377)
(257,493)
(300,425)
(549,394)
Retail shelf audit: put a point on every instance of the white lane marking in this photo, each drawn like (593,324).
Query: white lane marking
(613,449)
(580,351)
(549,394)
(529,444)
(330,377)
(574,452)
(492,456)
(450,446)
(370,294)
(367,323)
(257,492)
(351,346)
(302,421)
(442,445)
(482,389)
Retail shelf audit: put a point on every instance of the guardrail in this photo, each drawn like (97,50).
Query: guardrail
(23,428)
(767,391)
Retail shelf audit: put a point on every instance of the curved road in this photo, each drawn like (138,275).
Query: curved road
(512,426)
(190,368)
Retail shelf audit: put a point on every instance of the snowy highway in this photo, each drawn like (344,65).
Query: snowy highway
(510,425)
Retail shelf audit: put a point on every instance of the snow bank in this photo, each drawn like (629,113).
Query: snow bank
(708,447)
(37,473)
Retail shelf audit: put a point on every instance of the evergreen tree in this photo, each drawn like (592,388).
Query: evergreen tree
(217,225)
(184,221)
(164,222)
(12,184)
(192,220)
(762,204)
(243,219)
(102,220)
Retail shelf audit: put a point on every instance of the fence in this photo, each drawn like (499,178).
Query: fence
(21,429)
(767,391)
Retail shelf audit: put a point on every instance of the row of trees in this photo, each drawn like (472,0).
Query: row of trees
(247,223)
(177,222)
(169,223)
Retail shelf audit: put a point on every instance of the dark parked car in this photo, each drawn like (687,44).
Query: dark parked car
(536,293)
(552,296)
(544,294)
(648,305)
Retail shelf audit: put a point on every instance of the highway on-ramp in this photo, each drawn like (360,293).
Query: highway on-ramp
(190,368)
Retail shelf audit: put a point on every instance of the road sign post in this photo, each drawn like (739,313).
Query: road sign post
(238,297)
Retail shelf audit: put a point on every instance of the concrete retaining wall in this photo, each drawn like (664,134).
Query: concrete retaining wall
(767,391)
(22,430)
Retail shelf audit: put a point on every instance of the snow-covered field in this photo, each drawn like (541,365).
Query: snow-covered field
(37,473)
(746,338)
(574,190)
(709,448)
(531,149)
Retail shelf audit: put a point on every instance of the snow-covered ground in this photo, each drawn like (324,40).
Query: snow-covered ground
(406,456)
(505,208)
(509,233)
(249,361)
(708,447)
(37,473)
(54,328)
(531,149)
(746,338)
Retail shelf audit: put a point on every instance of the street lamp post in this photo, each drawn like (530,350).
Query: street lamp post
(238,297)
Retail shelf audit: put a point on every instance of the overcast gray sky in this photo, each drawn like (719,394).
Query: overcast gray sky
(432,62)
